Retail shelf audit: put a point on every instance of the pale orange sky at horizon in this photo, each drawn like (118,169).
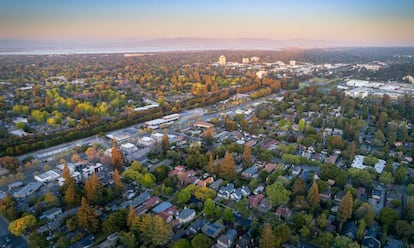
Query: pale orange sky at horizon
(382,23)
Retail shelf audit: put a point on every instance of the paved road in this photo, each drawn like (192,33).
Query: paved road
(9,240)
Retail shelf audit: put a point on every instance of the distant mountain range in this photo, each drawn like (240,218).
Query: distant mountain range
(8,46)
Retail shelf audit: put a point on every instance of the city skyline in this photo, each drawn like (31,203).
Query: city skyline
(352,22)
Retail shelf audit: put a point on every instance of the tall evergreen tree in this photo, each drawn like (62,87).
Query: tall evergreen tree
(345,207)
(117,157)
(228,167)
(117,181)
(247,156)
(165,141)
(92,189)
(70,194)
(313,195)
(268,238)
(211,167)
(87,217)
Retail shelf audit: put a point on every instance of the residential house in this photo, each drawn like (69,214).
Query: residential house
(225,191)
(264,205)
(236,195)
(350,230)
(269,167)
(226,240)
(213,230)
(254,200)
(216,184)
(168,214)
(331,159)
(196,226)
(51,214)
(162,207)
(186,215)
(371,238)
(245,191)
(148,204)
(244,241)
(250,172)
(283,212)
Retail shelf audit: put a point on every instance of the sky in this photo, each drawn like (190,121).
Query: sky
(388,22)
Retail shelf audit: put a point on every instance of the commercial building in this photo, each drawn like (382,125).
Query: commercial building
(28,190)
(222,60)
(47,176)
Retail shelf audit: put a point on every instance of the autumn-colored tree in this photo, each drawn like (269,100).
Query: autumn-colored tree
(131,216)
(268,238)
(67,176)
(10,163)
(50,199)
(228,167)
(117,181)
(211,167)
(92,189)
(154,229)
(208,136)
(299,186)
(165,141)
(70,195)
(91,153)
(20,225)
(313,195)
(75,158)
(247,156)
(87,217)
(117,157)
(345,207)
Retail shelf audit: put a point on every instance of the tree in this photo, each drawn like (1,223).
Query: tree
(67,176)
(182,243)
(50,199)
(345,207)
(370,160)
(38,240)
(165,141)
(117,181)
(321,220)
(20,225)
(400,174)
(70,195)
(204,193)
(201,241)
(208,136)
(183,196)
(209,207)
(313,195)
(92,189)
(228,167)
(154,229)
(87,217)
(247,156)
(301,125)
(92,154)
(10,163)
(283,233)
(117,221)
(403,229)
(277,193)
(386,178)
(128,239)
(131,216)
(388,216)
(268,238)
(211,167)
(228,215)
(366,212)
(343,242)
(299,186)
(117,157)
